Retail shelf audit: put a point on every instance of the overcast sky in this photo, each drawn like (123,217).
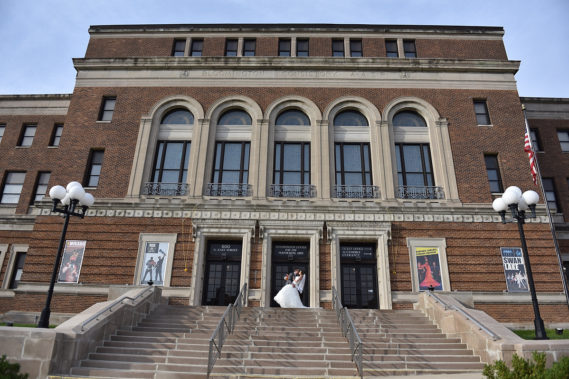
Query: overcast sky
(38,38)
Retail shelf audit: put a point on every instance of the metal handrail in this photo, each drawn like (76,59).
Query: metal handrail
(110,306)
(465,314)
(229,319)
(349,331)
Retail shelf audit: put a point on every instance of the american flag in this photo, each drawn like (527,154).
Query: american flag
(528,149)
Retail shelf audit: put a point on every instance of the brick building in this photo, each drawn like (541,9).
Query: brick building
(367,155)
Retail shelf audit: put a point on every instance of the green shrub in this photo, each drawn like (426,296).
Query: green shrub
(10,370)
(527,369)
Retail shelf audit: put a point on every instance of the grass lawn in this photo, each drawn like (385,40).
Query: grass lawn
(530,334)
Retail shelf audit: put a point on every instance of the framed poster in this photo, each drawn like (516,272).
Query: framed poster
(514,269)
(71,261)
(428,268)
(153,267)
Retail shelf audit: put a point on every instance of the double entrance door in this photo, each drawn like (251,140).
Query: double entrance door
(286,257)
(222,272)
(359,275)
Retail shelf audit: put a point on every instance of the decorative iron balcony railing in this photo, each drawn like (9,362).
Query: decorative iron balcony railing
(356,192)
(292,190)
(165,189)
(420,192)
(229,189)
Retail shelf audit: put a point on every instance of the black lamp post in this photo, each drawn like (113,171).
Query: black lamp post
(518,203)
(70,199)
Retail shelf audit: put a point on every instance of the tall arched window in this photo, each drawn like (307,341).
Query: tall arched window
(292,117)
(235,117)
(409,118)
(350,118)
(179,117)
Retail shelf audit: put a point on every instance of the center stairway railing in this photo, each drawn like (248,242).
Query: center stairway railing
(225,327)
(349,331)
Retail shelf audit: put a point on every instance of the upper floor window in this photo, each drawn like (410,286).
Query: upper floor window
(231,164)
(2,129)
(12,188)
(414,168)
(231,47)
(350,118)
(353,171)
(27,137)
(18,270)
(493,172)
(481,110)
(391,50)
(356,48)
(292,163)
(292,117)
(41,186)
(179,48)
(249,47)
(409,49)
(107,108)
(550,194)
(196,48)
(284,47)
(302,47)
(94,168)
(409,118)
(535,142)
(179,117)
(171,163)
(337,47)
(56,135)
(235,117)
(563,136)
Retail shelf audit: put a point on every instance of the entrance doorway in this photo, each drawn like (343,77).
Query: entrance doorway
(359,275)
(222,272)
(288,256)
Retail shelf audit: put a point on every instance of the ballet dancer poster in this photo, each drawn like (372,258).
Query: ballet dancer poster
(428,268)
(514,269)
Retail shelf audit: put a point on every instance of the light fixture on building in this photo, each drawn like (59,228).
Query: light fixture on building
(519,203)
(65,201)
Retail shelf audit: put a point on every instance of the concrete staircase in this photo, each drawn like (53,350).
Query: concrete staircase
(401,342)
(275,342)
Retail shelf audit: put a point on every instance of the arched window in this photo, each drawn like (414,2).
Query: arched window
(292,117)
(179,117)
(235,117)
(350,118)
(409,118)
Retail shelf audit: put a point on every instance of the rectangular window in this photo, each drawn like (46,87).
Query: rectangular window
(356,48)
(41,186)
(18,270)
(337,47)
(563,136)
(94,168)
(12,188)
(353,165)
(249,47)
(284,47)
(409,49)
(107,108)
(56,135)
(27,137)
(179,48)
(231,164)
(493,172)
(231,47)
(196,48)
(535,142)
(2,129)
(481,110)
(292,163)
(302,47)
(415,171)
(171,163)
(391,50)
(550,194)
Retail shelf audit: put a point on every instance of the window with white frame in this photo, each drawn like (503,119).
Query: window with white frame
(12,187)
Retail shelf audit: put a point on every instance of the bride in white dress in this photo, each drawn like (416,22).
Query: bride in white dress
(288,296)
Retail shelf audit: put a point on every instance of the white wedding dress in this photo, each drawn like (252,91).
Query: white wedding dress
(288,296)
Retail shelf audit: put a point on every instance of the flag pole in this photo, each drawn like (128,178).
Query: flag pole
(551,224)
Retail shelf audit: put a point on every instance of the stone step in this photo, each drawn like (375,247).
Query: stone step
(370,366)
(111,373)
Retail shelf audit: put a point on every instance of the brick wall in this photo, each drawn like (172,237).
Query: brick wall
(129,47)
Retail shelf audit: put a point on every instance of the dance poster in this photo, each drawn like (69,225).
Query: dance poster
(71,262)
(153,267)
(428,268)
(514,269)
